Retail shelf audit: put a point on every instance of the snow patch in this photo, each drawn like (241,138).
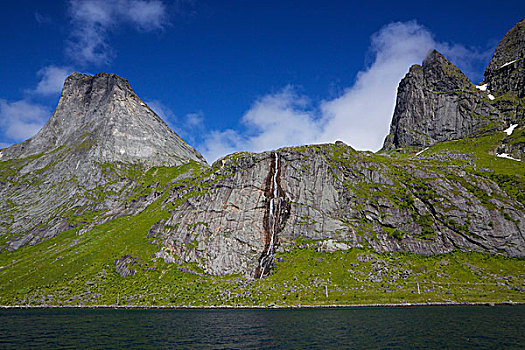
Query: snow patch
(482,87)
(418,153)
(142,104)
(1,155)
(510,129)
(506,64)
(491,97)
(505,155)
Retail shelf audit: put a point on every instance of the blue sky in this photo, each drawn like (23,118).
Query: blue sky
(241,75)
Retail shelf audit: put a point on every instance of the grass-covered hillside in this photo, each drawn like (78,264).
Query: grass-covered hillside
(85,265)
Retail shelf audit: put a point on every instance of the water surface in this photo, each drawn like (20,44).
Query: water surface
(459,327)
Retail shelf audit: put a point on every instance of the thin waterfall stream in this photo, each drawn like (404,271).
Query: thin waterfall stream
(273,218)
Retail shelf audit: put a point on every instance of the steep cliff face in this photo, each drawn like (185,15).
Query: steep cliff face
(67,170)
(506,70)
(436,102)
(253,205)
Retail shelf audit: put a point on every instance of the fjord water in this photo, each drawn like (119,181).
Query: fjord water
(473,327)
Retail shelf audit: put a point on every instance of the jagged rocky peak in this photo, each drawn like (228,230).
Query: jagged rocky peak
(435,102)
(506,70)
(102,116)
(440,74)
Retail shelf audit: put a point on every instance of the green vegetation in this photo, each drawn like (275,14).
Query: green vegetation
(80,269)
(78,273)
(481,150)
(10,168)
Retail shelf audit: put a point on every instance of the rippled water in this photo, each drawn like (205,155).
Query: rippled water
(456,327)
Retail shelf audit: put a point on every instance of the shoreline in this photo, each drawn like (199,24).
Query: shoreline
(254,307)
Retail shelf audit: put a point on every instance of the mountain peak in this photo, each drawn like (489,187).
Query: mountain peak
(442,74)
(99,82)
(434,56)
(429,105)
(511,47)
(505,70)
(104,113)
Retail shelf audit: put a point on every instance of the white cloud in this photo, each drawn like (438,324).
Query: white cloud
(360,116)
(22,119)
(51,79)
(221,143)
(188,127)
(147,15)
(191,127)
(92,20)
(194,120)
(277,120)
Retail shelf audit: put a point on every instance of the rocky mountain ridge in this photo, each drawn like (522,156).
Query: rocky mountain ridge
(61,172)
(436,102)
(105,158)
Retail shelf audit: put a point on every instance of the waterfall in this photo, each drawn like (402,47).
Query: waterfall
(273,219)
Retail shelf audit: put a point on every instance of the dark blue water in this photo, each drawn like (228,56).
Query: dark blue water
(358,328)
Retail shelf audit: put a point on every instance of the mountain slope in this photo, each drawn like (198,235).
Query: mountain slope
(66,172)
(153,258)
(432,203)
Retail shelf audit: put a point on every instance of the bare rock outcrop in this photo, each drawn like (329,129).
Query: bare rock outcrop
(505,72)
(436,102)
(331,192)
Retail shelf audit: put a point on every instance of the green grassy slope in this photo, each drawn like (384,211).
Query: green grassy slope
(73,269)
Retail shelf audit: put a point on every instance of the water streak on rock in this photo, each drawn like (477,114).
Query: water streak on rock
(272,220)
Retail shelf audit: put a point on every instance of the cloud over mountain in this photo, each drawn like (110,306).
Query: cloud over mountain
(359,117)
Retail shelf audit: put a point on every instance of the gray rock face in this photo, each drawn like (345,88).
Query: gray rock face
(436,101)
(230,228)
(331,193)
(99,132)
(506,71)
(103,114)
(122,266)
